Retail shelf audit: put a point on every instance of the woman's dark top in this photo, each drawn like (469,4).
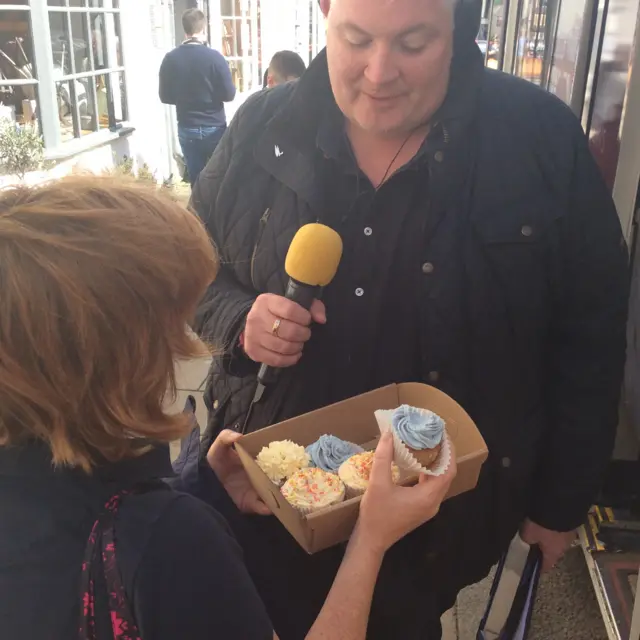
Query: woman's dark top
(182,570)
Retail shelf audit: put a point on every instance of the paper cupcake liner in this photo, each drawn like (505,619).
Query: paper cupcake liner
(404,458)
(353,492)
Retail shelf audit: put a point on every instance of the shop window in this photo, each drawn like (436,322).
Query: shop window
(493,41)
(87,66)
(18,82)
(317,31)
(570,51)
(611,85)
(61,67)
(241,42)
(531,41)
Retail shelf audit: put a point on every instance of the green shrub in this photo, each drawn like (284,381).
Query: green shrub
(21,149)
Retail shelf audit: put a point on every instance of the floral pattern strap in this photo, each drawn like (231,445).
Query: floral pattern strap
(102,543)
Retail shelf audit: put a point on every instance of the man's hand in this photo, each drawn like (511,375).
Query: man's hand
(279,346)
(553,544)
(227,466)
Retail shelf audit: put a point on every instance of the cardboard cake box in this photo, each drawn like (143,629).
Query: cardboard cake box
(354,420)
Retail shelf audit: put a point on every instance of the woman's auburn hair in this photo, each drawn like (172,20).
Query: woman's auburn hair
(99,278)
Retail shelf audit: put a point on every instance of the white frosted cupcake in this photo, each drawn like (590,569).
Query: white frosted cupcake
(281,459)
(312,489)
(355,473)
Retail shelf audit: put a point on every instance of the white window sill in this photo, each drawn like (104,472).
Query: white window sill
(86,143)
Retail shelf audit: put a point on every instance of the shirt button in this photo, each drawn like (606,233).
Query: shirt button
(506,462)
(433,376)
(359,292)
(368,231)
(216,404)
(526,231)
(438,156)
(427,268)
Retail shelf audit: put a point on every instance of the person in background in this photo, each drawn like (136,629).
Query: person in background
(197,80)
(285,66)
(99,277)
(482,255)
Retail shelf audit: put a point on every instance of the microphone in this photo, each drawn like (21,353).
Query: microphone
(311,264)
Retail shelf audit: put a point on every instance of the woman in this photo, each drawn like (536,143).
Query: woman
(98,279)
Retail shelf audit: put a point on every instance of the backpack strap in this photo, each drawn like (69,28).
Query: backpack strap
(100,556)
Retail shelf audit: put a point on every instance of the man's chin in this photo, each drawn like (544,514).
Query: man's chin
(382,127)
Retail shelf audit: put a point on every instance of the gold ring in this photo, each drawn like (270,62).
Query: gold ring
(275,328)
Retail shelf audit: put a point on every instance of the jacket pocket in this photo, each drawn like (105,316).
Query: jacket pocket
(261,227)
(523,222)
(517,242)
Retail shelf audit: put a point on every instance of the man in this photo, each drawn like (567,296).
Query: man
(285,66)
(197,80)
(482,255)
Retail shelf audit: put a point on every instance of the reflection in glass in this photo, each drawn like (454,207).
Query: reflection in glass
(99,33)
(55,3)
(18,103)
(66,97)
(604,133)
(571,22)
(87,105)
(226,8)
(102,97)
(81,42)
(60,43)
(530,44)
(495,34)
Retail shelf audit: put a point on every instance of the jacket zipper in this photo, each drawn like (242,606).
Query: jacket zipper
(261,227)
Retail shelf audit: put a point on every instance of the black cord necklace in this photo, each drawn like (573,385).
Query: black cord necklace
(398,152)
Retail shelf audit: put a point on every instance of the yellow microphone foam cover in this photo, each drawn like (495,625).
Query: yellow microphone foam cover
(314,255)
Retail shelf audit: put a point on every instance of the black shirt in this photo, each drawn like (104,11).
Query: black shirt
(378,279)
(182,570)
(197,80)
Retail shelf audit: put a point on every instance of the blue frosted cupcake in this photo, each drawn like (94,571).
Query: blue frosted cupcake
(421,431)
(328,452)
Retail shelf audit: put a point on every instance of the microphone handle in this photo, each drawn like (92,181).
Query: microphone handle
(304,295)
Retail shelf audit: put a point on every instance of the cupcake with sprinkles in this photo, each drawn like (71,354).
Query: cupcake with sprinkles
(281,459)
(313,489)
(329,452)
(356,471)
(420,438)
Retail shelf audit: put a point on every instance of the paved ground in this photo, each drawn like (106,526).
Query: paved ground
(566,607)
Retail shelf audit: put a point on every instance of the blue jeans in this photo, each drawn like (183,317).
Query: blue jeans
(198,145)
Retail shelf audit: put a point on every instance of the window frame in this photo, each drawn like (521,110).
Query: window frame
(249,16)
(45,80)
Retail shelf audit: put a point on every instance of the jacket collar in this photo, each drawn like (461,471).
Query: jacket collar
(33,460)
(287,147)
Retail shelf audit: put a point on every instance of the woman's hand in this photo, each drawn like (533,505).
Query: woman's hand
(225,463)
(389,512)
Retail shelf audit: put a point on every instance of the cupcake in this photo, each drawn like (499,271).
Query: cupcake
(329,452)
(281,459)
(421,431)
(312,489)
(356,470)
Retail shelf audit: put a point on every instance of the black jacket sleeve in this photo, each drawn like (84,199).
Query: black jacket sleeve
(221,314)
(587,350)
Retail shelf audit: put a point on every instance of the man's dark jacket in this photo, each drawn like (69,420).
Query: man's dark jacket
(523,317)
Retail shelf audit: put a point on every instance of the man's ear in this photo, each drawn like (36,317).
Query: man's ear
(324,7)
